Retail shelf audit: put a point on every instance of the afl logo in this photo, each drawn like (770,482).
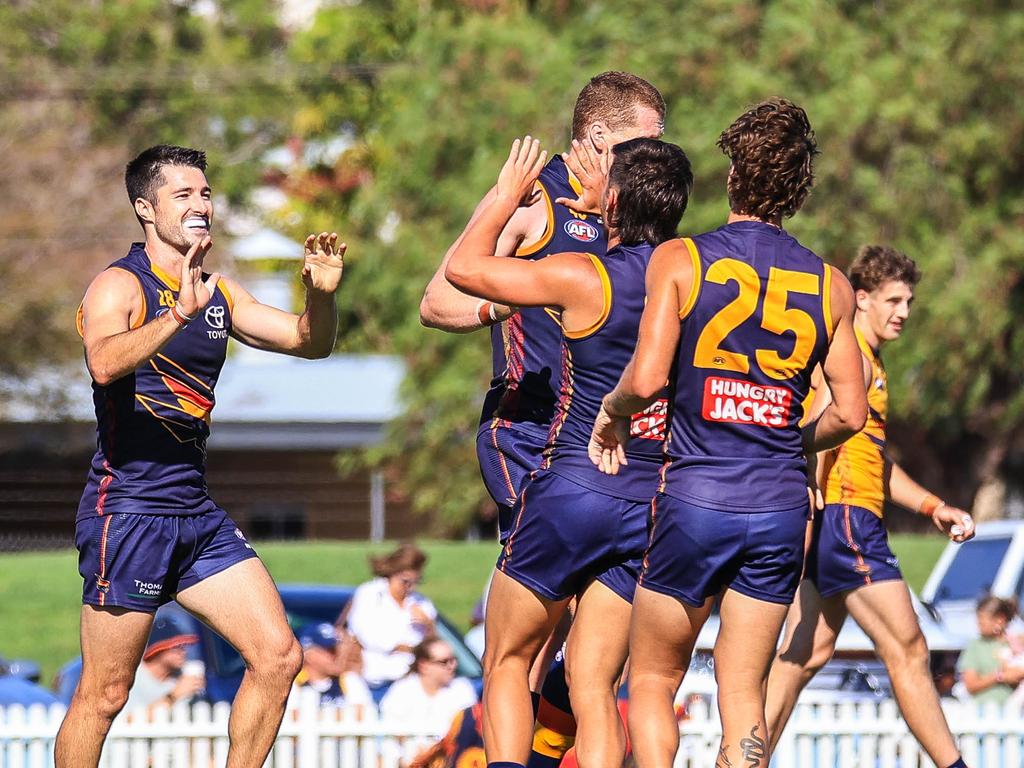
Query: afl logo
(215,317)
(580,230)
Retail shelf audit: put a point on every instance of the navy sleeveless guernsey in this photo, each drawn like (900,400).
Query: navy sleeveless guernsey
(526,348)
(592,362)
(757,322)
(152,424)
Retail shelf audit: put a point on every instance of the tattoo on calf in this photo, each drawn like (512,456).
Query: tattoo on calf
(755,751)
(723,760)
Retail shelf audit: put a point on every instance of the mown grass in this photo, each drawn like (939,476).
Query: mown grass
(40,592)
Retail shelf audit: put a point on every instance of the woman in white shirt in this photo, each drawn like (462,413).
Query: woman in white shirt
(388,617)
(430,694)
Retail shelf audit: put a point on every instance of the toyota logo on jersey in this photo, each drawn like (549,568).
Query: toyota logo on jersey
(581,230)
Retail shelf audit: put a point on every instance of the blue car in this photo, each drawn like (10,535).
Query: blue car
(303,603)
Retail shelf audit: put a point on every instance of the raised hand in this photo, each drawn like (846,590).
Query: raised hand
(195,293)
(516,182)
(323,263)
(591,169)
(607,447)
(955,523)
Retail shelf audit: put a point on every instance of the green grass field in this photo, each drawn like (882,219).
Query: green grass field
(40,593)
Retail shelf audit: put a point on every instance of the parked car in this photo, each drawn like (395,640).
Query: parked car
(303,603)
(991,562)
(853,674)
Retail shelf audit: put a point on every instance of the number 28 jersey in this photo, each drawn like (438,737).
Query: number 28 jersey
(756,324)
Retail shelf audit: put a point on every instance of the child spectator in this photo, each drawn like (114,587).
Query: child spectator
(991,666)
(326,667)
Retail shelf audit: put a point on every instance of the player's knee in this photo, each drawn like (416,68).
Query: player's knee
(106,698)
(905,653)
(279,662)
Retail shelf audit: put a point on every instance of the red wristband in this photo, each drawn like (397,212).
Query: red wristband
(180,317)
(930,504)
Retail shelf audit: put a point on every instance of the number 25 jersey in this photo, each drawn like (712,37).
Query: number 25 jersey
(756,323)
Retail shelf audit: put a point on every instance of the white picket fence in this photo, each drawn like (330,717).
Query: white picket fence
(852,735)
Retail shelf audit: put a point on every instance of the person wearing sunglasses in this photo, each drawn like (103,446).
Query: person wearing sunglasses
(430,694)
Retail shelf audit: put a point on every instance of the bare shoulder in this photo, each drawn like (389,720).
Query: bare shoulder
(114,282)
(671,259)
(841,296)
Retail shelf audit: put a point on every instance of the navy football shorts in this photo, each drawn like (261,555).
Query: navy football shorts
(140,561)
(696,552)
(565,535)
(508,453)
(849,549)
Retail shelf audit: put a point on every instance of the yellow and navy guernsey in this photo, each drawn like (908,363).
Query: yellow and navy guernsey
(592,363)
(526,349)
(153,423)
(855,470)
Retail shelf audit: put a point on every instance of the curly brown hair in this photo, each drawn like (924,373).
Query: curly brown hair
(772,150)
(613,97)
(878,264)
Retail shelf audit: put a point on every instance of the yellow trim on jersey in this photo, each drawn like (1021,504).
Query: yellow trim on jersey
(856,469)
(227,295)
(139,321)
(606,290)
(170,281)
(826,301)
(549,228)
(691,300)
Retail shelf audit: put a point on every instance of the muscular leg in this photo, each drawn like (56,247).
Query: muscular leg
(242,604)
(885,613)
(518,621)
(743,653)
(662,632)
(113,640)
(595,655)
(812,625)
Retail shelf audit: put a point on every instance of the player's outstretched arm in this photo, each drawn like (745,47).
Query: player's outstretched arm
(445,307)
(115,343)
(311,334)
(902,489)
(669,279)
(847,412)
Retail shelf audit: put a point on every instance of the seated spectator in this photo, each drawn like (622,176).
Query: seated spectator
(162,678)
(16,689)
(991,666)
(430,694)
(388,617)
(327,667)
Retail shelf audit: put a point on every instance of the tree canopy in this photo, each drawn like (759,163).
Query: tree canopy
(917,109)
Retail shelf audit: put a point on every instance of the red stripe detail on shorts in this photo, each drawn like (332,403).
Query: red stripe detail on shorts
(103,561)
(650,539)
(854,547)
(515,529)
(501,460)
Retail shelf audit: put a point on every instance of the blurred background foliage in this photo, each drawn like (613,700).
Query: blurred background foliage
(917,106)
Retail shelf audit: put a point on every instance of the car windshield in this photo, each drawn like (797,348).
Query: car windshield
(973,569)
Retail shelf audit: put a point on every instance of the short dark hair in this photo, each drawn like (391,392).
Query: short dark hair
(653,179)
(613,97)
(878,264)
(144,174)
(772,149)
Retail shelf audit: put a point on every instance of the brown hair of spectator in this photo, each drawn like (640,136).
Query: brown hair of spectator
(772,150)
(408,557)
(998,606)
(876,265)
(613,98)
